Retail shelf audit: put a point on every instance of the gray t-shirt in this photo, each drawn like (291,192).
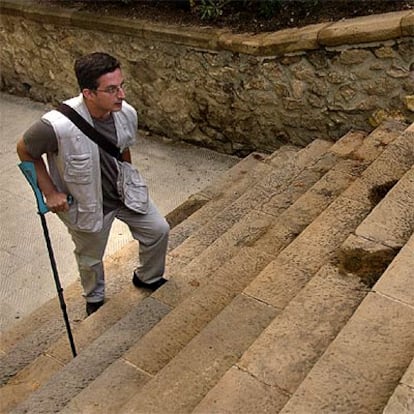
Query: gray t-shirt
(40,138)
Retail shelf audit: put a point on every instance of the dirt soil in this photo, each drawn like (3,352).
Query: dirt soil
(294,13)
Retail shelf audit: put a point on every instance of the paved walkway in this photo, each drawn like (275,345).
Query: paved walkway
(173,171)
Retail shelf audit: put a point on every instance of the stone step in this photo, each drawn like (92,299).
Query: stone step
(222,193)
(270,371)
(160,345)
(145,355)
(24,382)
(240,176)
(28,339)
(402,399)
(205,251)
(161,394)
(362,367)
(275,365)
(383,233)
(207,262)
(397,283)
(281,170)
(314,317)
(58,353)
(112,355)
(319,239)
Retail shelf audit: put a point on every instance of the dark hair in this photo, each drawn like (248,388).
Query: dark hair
(90,67)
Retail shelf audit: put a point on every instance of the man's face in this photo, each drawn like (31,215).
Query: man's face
(108,96)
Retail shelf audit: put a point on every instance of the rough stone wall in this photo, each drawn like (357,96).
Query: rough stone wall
(233,93)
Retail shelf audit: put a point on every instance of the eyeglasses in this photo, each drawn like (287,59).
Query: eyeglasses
(113,89)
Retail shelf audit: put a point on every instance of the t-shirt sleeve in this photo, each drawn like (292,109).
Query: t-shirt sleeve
(40,138)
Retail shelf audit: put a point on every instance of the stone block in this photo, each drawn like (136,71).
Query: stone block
(396,282)
(95,325)
(291,40)
(363,365)
(205,359)
(407,25)
(297,263)
(383,174)
(391,223)
(27,381)
(241,393)
(376,142)
(88,365)
(401,401)
(349,143)
(109,391)
(364,29)
(285,352)
(176,329)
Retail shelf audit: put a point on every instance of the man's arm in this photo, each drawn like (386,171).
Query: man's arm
(55,200)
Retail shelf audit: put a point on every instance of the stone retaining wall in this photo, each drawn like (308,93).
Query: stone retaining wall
(231,92)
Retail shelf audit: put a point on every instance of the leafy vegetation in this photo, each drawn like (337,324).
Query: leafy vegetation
(238,15)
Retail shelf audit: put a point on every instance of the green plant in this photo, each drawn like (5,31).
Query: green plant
(210,9)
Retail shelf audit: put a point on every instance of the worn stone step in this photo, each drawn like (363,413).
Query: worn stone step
(53,341)
(147,357)
(270,371)
(280,171)
(275,365)
(160,345)
(240,173)
(225,192)
(58,354)
(154,298)
(27,339)
(382,234)
(106,349)
(402,399)
(320,241)
(250,226)
(397,283)
(205,263)
(182,382)
(363,365)
(329,232)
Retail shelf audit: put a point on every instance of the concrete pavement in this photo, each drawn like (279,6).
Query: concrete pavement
(173,171)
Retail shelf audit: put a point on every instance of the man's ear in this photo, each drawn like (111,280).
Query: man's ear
(88,93)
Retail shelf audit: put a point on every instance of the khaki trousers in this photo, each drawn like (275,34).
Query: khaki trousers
(150,230)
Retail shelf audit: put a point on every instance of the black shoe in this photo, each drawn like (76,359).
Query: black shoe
(151,286)
(92,307)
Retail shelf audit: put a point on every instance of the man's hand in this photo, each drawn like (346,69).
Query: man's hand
(57,202)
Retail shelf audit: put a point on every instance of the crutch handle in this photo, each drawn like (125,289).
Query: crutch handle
(29,171)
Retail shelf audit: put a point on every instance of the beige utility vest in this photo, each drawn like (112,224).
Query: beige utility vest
(75,168)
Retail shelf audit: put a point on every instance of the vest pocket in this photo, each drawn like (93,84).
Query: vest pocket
(132,188)
(78,169)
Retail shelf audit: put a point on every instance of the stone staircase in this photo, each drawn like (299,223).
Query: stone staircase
(290,291)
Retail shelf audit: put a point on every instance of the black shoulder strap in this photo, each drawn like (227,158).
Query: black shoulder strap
(89,130)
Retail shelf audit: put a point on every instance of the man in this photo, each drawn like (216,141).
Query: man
(100,185)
